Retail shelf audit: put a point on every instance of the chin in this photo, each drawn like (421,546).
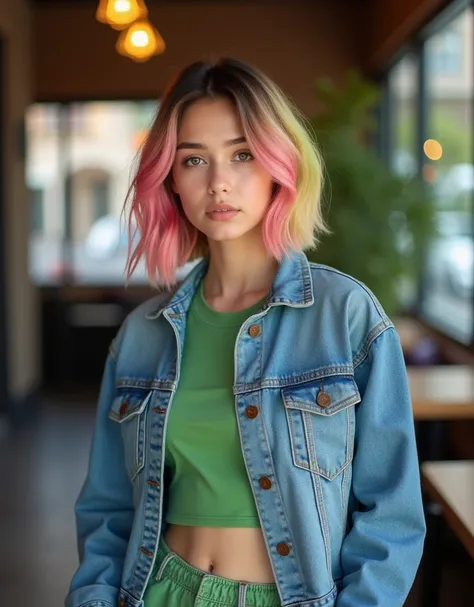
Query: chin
(223,236)
(227,232)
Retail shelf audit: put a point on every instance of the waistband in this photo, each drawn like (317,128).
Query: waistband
(171,566)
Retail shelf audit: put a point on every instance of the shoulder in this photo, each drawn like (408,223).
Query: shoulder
(330,280)
(352,300)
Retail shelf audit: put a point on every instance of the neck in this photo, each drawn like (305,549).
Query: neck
(239,270)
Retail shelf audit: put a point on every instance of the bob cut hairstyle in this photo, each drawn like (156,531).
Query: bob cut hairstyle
(278,138)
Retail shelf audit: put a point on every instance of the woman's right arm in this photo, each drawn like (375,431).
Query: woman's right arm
(104,510)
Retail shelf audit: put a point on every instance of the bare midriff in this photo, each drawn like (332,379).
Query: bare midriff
(236,553)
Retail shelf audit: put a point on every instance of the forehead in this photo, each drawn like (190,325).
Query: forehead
(210,119)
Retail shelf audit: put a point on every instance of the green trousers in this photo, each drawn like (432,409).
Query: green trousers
(175,583)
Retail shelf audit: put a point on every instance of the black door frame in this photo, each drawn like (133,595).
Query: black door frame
(4,390)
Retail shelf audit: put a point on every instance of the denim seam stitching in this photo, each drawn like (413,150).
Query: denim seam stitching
(343,501)
(364,351)
(286,382)
(377,305)
(307,425)
(280,498)
(316,481)
(344,404)
(296,459)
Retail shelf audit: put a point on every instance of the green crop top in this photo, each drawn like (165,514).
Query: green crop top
(209,483)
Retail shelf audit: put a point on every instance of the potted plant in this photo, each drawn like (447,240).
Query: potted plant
(380,222)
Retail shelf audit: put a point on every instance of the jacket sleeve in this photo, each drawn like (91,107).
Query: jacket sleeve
(381,553)
(104,510)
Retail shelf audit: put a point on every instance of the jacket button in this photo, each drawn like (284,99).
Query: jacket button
(121,603)
(265,483)
(324,400)
(251,411)
(254,330)
(123,408)
(283,549)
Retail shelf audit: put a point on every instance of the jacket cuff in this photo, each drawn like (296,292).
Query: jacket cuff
(97,595)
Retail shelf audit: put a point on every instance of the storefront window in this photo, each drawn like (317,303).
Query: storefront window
(448,169)
(80,158)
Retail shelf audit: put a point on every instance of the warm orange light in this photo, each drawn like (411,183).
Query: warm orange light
(433,149)
(119,14)
(139,138)
(140,42)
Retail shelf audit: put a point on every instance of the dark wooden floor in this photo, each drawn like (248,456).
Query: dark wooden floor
(42,468)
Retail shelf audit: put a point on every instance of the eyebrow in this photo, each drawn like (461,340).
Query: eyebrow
(198,146)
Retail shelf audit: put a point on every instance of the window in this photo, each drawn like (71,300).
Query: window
(446,56)
(100,198)
(403,88)
(78,186)
(428,129)
(36,209)
(449,171)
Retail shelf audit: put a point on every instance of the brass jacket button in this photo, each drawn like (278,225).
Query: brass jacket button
(121,603)
(283,549)
(251,411)
(123,408)
(254,330)
(265,483)
(324,400)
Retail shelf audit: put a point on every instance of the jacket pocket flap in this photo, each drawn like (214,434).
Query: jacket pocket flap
(325,396)
(127,405)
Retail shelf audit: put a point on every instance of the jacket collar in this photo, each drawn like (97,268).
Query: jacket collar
(293,286)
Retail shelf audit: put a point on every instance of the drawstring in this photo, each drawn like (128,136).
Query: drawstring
(242,594)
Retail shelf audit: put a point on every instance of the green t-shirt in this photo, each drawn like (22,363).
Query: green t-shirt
(210,486)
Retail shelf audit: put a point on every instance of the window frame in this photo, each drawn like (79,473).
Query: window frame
(417,46)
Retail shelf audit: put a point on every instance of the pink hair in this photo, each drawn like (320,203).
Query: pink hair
(277,154)
(167,239)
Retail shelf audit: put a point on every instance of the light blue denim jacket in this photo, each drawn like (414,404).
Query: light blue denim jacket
(323,410)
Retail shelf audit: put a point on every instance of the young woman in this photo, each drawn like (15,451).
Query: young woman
(254,440)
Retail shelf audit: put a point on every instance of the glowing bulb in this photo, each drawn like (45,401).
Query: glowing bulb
(119,14)
(140,38)
(140,42)
(433,149)
(122,6)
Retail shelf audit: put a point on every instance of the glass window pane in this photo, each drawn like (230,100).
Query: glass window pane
(403,87)
(449,169)
(100,143)
(46,192)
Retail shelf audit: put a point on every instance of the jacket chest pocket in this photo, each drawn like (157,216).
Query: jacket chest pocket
(130,410)
(321,423)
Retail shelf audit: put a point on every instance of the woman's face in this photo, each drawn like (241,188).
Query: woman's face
(223,189)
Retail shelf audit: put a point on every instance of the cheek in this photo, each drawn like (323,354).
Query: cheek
(261,184)
(187,182)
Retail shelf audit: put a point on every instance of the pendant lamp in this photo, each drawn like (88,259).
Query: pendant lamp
(140,42)
(119,14)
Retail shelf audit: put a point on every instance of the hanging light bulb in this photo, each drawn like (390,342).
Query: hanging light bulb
(140,42)
(119,14)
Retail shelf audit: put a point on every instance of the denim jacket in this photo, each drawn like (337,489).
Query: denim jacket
(323,410)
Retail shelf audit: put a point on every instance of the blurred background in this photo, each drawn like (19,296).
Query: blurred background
(389,91)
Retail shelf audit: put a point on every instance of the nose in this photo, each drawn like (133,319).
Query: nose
(219,182)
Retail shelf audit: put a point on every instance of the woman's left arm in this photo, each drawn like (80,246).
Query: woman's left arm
(382,551)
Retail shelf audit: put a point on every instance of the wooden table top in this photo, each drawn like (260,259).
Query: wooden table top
(442,392)
(451,485)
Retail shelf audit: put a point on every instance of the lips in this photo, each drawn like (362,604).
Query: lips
(220,208)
